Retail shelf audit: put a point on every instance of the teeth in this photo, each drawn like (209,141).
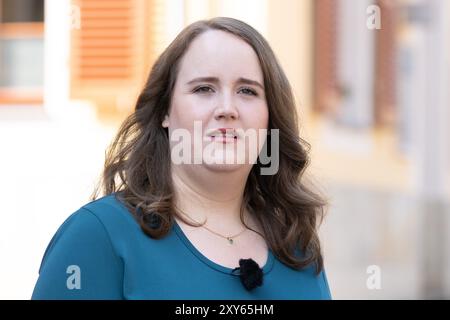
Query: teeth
(225,135)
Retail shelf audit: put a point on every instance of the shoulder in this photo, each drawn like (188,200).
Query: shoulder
(94,225)
(82,245)
(324,287)
(112,213)
(319,279)
(106,215)
(109,217)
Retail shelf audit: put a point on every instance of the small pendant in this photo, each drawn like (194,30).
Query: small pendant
(230,240)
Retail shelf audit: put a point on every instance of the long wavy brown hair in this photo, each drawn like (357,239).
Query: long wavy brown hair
(138,164)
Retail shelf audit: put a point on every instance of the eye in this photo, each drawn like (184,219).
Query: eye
(248,91)
(203,89)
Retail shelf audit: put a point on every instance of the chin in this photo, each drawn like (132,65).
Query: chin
(224,167)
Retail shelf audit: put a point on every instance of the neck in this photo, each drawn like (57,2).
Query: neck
(212,196)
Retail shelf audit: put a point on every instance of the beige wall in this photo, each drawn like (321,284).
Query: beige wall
(290,34)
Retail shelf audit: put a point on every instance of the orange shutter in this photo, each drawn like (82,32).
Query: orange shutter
(325,51)
(111,52)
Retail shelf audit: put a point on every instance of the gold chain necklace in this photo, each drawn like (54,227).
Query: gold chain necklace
(229,238)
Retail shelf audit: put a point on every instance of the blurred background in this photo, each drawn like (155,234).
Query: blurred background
(371,78)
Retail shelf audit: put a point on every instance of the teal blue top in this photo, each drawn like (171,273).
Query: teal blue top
(100,252)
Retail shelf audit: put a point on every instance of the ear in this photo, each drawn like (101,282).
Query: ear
(165,122)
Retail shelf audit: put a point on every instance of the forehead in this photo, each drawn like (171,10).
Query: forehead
(220,54)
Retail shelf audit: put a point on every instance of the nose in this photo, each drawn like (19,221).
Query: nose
(226,109)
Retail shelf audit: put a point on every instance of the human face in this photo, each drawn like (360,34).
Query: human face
(220,83)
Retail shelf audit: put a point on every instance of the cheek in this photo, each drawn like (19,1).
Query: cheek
(255,116)
(186,110)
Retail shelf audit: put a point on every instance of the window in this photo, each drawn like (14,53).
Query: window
(21,51)
(22,11)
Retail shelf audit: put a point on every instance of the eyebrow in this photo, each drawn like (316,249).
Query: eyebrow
(216,80)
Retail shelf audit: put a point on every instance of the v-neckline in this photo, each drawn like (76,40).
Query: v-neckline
(176,227)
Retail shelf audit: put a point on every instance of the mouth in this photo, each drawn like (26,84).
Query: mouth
(224,135)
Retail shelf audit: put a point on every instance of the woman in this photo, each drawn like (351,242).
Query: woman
(202,227)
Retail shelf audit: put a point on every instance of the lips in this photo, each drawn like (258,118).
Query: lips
(224,135)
